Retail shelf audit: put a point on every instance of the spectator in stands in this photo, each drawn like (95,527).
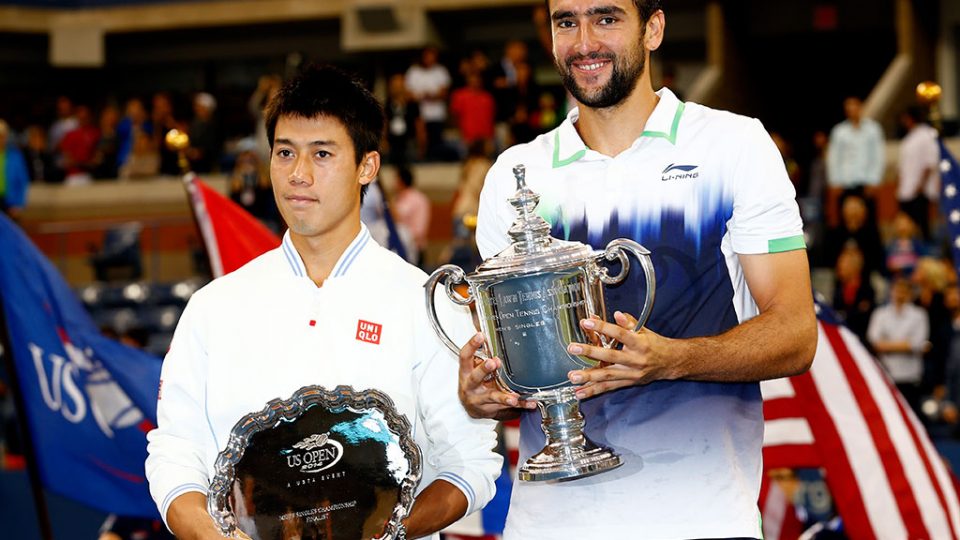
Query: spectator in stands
(79,148)
(65,123)
(951,381)
(143,160)
(898,332)
(13,175)
(918,181)
(250,186)
(164,121)
(108,145)
(526,93)
(786,152)
(817,182)
(429,83)
(855,155)
(267,87)
(404,125)
(135,120)
(473,108)
(411,207)
(545,117)
(905,248)
(205,142)
(466,202)
(856,226)
(853,296)
(39,160)
(477,62)
(505,88)
(810,197)
(932,277)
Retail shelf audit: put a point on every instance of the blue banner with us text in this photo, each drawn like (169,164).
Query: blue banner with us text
(90,400)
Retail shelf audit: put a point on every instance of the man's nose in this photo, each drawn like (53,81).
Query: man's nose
(301,171)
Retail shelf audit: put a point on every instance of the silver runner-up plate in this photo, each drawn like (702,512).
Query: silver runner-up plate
(322,465)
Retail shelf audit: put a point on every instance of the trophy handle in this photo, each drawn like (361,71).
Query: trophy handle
(617,250)
(456,276)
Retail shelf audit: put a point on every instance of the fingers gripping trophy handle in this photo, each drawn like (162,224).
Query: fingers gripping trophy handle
(617,250)
(454,275)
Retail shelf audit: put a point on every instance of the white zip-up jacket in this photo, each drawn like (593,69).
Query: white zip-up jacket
(266,330)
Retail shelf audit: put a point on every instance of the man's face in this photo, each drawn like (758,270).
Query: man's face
(851,107)
(598,49)
(315,176)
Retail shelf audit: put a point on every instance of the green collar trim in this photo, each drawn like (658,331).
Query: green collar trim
(557,162)
(672,136)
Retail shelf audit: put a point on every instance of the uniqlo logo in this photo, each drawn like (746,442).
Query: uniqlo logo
(368,331)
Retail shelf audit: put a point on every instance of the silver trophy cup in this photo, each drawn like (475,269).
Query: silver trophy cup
(529,300)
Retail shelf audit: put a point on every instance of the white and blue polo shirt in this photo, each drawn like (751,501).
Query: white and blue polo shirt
(697,188)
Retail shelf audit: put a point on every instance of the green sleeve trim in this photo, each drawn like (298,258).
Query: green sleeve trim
(789,243)
(672,136)
(557,162)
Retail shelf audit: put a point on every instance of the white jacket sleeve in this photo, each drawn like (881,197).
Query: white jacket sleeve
(176,448)
(461,448)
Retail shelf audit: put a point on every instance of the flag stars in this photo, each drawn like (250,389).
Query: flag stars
(945,165)
(955,216)
(950,191)
(956,242)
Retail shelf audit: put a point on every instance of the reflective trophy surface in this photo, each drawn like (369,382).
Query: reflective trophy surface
(529,300)
(322,465)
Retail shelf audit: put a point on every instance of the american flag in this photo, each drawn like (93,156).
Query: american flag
(846,417)
(949,199)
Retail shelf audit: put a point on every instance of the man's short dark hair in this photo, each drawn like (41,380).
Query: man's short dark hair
(645,7)
(323,90)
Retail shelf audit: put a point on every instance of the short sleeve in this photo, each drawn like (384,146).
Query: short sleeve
(766,218)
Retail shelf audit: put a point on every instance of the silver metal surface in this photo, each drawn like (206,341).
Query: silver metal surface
(222,494)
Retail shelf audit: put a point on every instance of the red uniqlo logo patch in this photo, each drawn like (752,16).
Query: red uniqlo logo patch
(368,331)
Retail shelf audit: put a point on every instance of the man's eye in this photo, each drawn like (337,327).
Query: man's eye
(565,24)
(283,152)
(323,154)
(608,20)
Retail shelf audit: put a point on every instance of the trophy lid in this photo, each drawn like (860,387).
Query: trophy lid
(532,249)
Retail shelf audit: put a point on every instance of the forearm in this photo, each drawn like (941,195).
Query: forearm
(437,506)
(895,347)
(774,344)
(187,517)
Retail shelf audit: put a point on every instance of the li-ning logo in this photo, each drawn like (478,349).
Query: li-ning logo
(317,453)
(683,172)
(368,331)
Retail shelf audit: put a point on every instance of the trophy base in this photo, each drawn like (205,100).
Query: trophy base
(554,463)
(569,454)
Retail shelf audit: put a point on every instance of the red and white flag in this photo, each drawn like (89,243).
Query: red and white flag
(846,416)
(231,235)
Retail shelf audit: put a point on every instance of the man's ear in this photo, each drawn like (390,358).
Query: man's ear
(654,31)
(369,167)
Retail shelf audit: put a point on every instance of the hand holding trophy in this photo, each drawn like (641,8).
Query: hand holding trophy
(530,299)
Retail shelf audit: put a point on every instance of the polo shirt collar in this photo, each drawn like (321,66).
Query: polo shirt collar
(663,122)
(347,258)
